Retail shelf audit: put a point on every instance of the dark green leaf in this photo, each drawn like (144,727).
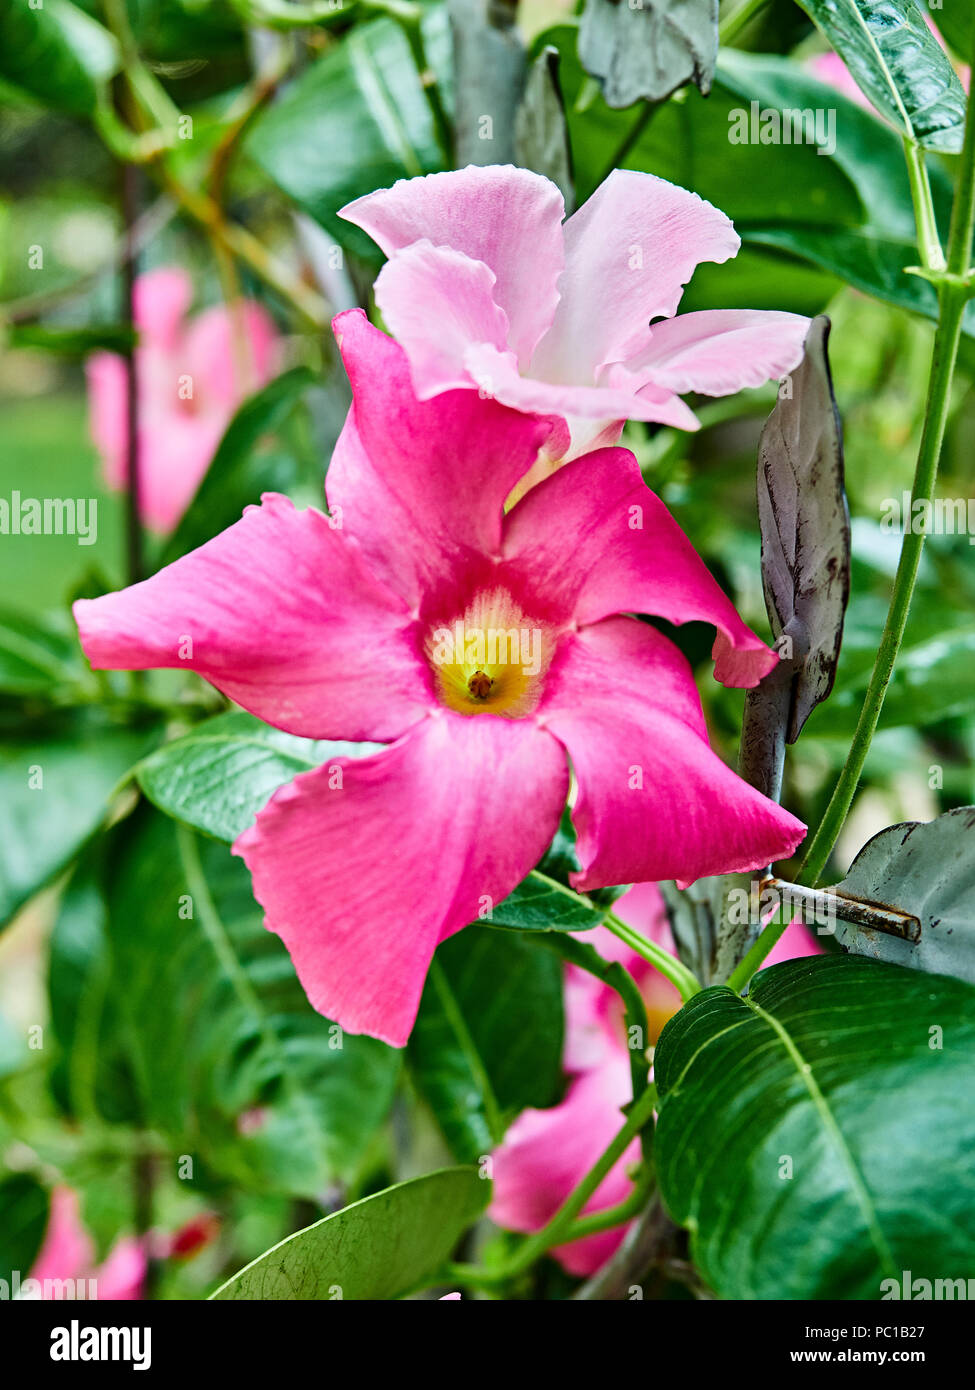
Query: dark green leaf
(816,1137)
(356,120)
(220,775)
(650,49)
(227,1056)
(488,1038)
(57,53)
(54,790)
(379,1248)
(23,1217)
(899,64)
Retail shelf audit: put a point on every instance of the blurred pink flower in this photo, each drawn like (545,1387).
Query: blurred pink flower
(375,623)
(546,1153)
(68,1253)
(487,289)
(192,375)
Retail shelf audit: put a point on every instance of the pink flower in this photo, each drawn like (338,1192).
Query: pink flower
(547,1153)
(191,378)
(486,288)
(68,1253)
(376,624)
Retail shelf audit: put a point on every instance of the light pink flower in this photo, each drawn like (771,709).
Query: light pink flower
(192,375)
(68,1253)
(486,288)
(546,1153)
(341,627)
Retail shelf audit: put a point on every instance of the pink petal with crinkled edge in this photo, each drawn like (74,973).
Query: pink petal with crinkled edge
(629,252)
(363,866)
(420,485)
(281,614)
(655,802)
(506,217)
(546,1153)
(718,351)
(437,303)
(628,556)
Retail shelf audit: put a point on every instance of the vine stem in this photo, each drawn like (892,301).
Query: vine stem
(563,1225)
(954,291)
(733,24)
(684,981)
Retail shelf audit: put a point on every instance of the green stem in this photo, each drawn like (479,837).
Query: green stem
(684,981)
(765,944)
(953,295)
(733,24)
(928,240)
(953,300)
(562,1226)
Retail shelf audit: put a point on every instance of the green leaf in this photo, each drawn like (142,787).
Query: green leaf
(23,1217)
(651,49)
(72,342)
(54,792)
(925,869)
(356,120)
(795,1129)
(379,1248)
(222,1052)
(247,463)
(899,64)
(36,657)
(488,1038)
(543,901)
(57,53)
(955,24)
(218,776)
(541,135)
(934,679)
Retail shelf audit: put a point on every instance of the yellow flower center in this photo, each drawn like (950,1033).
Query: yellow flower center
(491,659)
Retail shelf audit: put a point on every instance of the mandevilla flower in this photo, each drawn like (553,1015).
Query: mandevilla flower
(547,1153)
(68,1253)
(191,378)
(485,648)
(486,288)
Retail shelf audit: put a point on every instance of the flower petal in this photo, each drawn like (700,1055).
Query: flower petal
(437,303)
(720,351)
(420,484)
(508,218)
(281,614)
(160,301)
(546,1153)
(654,801)
(230,353)
(628,556)
(363,873)
(629,251)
